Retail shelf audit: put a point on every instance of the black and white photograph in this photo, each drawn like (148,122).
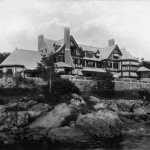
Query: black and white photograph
(74,75)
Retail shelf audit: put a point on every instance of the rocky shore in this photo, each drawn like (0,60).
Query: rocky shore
(75,122)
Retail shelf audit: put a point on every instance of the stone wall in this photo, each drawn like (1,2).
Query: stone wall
(119,85)
(86,85)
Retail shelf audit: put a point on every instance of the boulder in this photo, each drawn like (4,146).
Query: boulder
(2,107)
(38,110)
(77,97)
(124,105)
(9,120)
(7,138)
(140,111)
(26,105)
(22,119)
(37,134)
(113,107)
(102,124)
(69,135)
(54,118)
(94,99)
(99,106)
(19,106)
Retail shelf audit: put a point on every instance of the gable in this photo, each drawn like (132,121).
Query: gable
(116,51)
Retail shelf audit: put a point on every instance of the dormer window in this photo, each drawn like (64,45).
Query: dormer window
(89,54)
(56,47)
(97,54)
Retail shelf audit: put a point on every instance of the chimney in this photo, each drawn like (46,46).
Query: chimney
(67,37)
(68,58)
(111,42)
(40,41)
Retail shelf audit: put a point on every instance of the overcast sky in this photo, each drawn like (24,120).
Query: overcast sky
(91,22)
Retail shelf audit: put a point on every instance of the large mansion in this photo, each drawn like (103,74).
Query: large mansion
(73,58)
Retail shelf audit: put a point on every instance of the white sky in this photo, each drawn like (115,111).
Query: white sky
(91,22)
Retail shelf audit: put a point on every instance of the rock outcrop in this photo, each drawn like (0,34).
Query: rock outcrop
(69,135)
(102,124)
(54,118)
(71,123)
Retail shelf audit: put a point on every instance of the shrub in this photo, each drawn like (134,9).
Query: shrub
(21,80)
(60,87)
(126,94)
(104,85)
(145,96)
(16,91)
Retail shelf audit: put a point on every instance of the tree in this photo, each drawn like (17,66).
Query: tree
(3,56)
(104,85)
(46,68)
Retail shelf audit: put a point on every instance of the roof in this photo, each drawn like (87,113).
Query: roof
(90,69)
(143,69)
(104,52)
(126,54)
(50,44)
(27,58)
(62,65)
(145,64)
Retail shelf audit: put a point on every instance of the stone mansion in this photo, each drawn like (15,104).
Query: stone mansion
(73,59)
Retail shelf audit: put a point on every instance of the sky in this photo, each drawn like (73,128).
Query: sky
(91,23)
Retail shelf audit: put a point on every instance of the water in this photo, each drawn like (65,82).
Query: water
(130,143)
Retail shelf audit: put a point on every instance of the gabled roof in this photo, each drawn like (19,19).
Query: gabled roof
(143,69)
(50,44)
(27,58)
(126,54)
(145,64)
(104,52)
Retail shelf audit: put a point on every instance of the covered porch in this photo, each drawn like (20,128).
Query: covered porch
(92,72)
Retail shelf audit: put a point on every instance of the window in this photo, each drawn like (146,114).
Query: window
(60,58)
(78,61)
(73,51)
(90,64)
(99,64)
(89,54)
(109,65)
(9,72)
(115,65)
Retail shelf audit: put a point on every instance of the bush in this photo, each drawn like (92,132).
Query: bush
(16,91)
(104,85)
(21,80)
(145,96)
(126,94)
(61,89)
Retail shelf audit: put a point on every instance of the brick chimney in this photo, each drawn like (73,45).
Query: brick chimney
(68,58)
(111,42)
(40,41)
